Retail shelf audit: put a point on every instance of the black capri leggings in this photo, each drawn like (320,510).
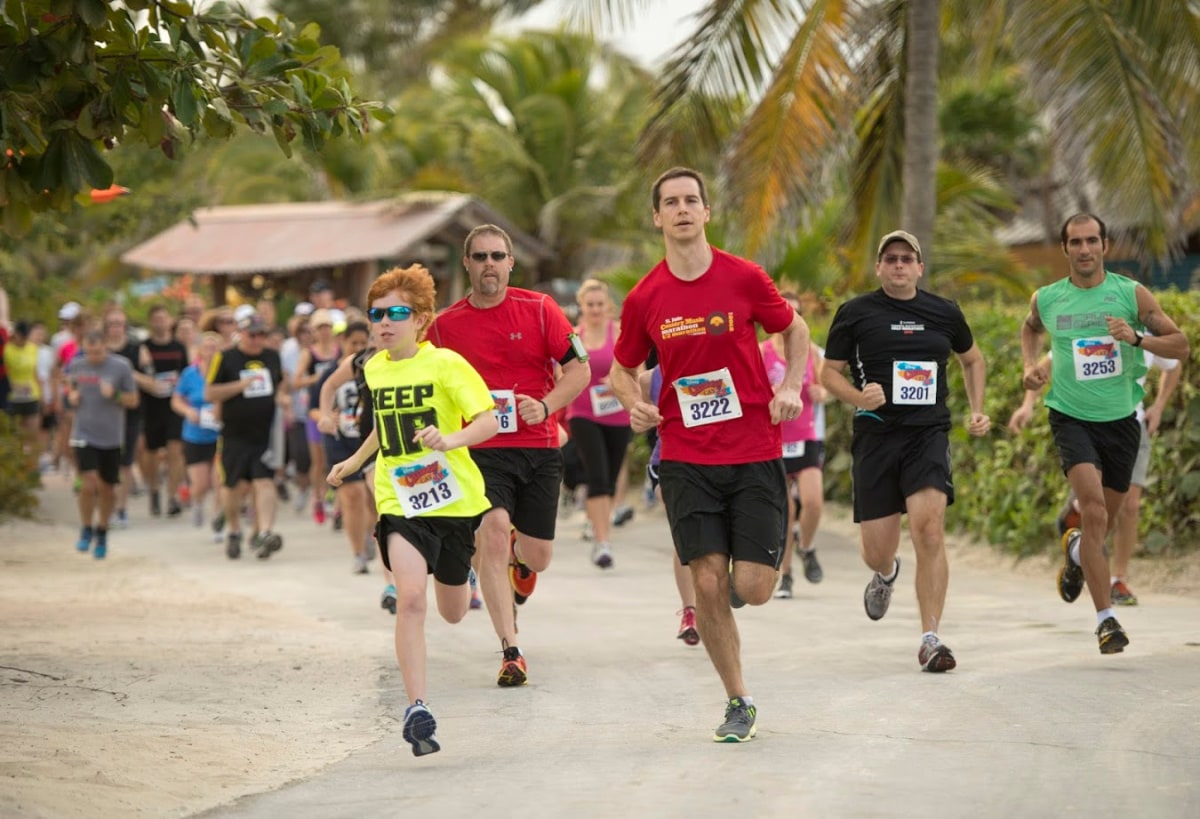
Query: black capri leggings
(601,451)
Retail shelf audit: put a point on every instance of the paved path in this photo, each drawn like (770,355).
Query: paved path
(618,715)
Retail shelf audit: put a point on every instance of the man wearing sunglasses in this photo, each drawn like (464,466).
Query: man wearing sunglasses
(248,384)
(514,338)
(900,339)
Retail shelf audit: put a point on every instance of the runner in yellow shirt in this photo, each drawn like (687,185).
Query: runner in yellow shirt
(429,493)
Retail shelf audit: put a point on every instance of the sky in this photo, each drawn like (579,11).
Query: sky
(650,38)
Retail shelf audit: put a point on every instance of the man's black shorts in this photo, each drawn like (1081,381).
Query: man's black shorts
(242,460)
(106,462)
(525,481)
(813,458)
(892,463)
(1111,446)
(739,509)
(160,424)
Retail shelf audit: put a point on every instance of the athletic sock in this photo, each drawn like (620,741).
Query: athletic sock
(1104,614)
(891,578)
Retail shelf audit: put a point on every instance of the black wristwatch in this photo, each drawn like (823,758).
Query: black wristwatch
(1137,338)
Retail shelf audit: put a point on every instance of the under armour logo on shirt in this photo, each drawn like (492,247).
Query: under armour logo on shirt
(514,336)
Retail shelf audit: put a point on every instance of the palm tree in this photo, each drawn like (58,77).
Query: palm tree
(542,126)
(850,80)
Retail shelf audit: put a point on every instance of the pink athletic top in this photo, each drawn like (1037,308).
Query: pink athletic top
(597,402)
(802,428)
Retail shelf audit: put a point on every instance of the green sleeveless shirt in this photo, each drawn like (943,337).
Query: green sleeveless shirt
(1094,377)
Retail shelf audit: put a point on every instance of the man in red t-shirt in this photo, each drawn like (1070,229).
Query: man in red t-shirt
(514,338)
(722,477)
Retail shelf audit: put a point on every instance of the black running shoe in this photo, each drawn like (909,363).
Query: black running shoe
(174,508)
(268,544)
(155,505)
(1070,576)
(784,592)
(233,545)
(419,729)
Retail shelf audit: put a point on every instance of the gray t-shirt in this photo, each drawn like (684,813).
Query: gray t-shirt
(99,421)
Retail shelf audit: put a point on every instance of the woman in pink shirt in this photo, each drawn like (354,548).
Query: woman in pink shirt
(598,423)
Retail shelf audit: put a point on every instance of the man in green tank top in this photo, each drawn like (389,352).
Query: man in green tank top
(1094,319)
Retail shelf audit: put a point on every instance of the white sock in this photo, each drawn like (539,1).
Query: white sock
(1112,581)
(1075,552)
(891,578)
(930,637)
(1104,614)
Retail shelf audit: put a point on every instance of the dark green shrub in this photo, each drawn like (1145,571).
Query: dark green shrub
(18,481)
(1009,487)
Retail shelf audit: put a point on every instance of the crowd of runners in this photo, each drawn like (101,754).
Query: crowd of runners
(437,439)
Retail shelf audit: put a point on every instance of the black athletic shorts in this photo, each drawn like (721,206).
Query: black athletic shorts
(23,409)
(813,458)
(447,544)
(895,462)
(107,462)
(199,453)
(296,441)
(739,510)
(160,424)
(242,460)
(338,449)
(133,428)
(525,481)
(1111,446)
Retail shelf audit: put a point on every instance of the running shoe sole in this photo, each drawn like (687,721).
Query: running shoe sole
(419,729)
(522,579)
(512,675)
(1112,638)
(690,636)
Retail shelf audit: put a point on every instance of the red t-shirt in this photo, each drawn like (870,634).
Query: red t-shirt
(514,347)
(699,328)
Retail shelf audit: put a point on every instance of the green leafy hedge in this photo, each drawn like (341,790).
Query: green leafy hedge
(1009,487)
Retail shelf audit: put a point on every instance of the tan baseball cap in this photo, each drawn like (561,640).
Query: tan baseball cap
(899,236)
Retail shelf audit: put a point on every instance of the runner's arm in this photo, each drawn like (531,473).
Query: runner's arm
(975,381)
(354,463)
(1032,331)
(833,378)
(1167,340)
(623,381)
(1166,388)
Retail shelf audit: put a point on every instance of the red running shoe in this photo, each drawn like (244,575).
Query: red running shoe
(512,669)
(687,627)
(522,578)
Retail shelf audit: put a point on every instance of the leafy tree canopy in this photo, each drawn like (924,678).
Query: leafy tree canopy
(79,76)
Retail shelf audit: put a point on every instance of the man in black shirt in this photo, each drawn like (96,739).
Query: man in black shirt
(898,341)
(248,385)
(161,359)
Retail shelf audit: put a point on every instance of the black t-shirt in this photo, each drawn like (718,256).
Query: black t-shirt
(129,352)
(904,346)
(249,415)
(167,363)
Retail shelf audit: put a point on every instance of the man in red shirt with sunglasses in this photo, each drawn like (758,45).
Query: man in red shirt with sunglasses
(515,339)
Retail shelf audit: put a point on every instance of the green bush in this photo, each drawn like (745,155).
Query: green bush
(18,481)
(1008,487)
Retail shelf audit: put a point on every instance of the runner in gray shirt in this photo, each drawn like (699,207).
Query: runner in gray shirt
(100,385)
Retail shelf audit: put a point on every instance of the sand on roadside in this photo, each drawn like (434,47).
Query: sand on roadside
(130,691)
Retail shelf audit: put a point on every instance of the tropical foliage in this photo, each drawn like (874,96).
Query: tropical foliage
(79,76)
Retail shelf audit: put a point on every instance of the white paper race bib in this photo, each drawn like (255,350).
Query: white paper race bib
(794,449)
(914,382)
(22,392)
(208,418)
(164,383)
(261,385)
(505,409)
(1096,358)
(425,485)
(708,398)
(603,401)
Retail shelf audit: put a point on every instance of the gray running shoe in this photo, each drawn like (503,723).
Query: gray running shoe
(267,544)
(784,592)
(878,594)
(934,656)
(812,569)
(739,722)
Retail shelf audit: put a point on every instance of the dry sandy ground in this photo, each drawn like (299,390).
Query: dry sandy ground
(128,691)
(133,688)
